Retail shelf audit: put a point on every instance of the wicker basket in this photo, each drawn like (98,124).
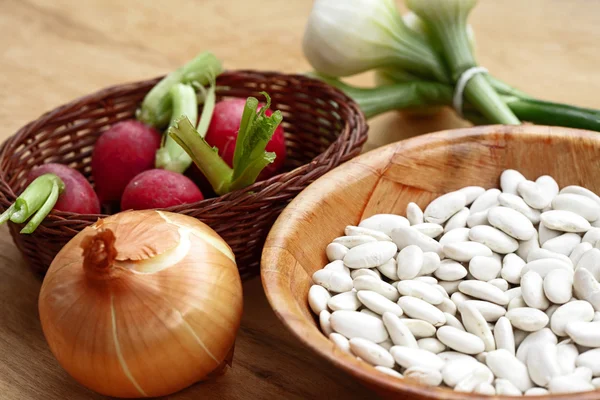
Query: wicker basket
(324,128)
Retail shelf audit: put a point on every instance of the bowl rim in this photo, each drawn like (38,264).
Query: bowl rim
(275,284)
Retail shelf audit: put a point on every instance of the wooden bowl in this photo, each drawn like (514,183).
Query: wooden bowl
(385,181)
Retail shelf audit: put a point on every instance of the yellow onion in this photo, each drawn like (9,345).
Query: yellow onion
(142,304)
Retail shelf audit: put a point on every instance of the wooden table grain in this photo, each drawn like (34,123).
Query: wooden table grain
(54,51)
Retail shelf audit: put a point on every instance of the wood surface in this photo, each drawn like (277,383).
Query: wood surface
(385,181)
(54,51)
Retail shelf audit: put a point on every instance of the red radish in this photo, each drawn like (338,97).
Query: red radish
(121,153)
(159,188)
(223,130)
(78,195)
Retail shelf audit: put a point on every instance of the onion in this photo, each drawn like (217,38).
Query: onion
(150,306)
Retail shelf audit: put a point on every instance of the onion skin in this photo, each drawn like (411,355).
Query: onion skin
(124,332)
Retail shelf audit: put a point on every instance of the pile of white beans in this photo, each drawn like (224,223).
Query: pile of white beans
(487,291)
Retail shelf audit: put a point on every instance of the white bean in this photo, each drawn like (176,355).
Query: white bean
(511,222)
(399,332)
(540,254)
(424,376)
(431,262)
(506,366)
(445,206)
(410,261)
(514,292)
(346,301)
(430,229)
(581,205)
(577,310)
(419,328)
(548,185)
(500,283)
(581,191)
(485,388)
(569,384)
(458,340)
(384,222)
(465,251)
(485,201)
(341,342)
(579,250)
(359,231)
(494,238)
(584,333)
(325,322)
(430,280)
(389,371)
(546,234)
(457,368)
(447,306)
(563,244)
(371,352)
(414,214)
(596,383)
(542,363)
(584,373)
(481,374)
(591,236)
(409,357)
(450,286)
(317,298)
(458,220)
(527,318)
(532,290)
(451,320)
(558,286)
(533,195)
(490,311)
(471,193)
(527,245)
(516,302)
(335,251)
(512,265)
(590,359)
(364,271)
(421,290)
(431,344)
(567,356)
(450,270)
(509,181)
(545,265)
(366,282)
(353,324)
(371,313)
(543,335)
(455,235)
(590,260)
(419,309)
(353,241)
(376,302)
(406,236)
(334,281)
(536,391)
(389,269)
(483,291)
(564,221)
(518,204)
(586,287)
(478,219)
(503,334)
(474,323)
(369,255)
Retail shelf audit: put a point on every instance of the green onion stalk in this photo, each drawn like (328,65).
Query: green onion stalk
(35,203)
(425,94)
(250,157)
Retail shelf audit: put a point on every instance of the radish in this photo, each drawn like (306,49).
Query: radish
(249,158)
(122,152)
(78,196)
(223,130)
(159,188)
(51,186)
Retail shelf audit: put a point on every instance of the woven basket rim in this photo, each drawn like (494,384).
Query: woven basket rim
(234,197)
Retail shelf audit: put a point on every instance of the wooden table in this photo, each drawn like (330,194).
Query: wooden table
(54,51)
